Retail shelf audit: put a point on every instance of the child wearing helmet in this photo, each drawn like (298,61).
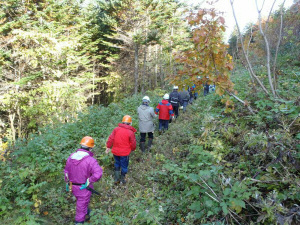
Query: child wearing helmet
(165,111)
(122,141)
(81,171)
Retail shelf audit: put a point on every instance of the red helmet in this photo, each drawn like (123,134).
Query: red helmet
(88,142)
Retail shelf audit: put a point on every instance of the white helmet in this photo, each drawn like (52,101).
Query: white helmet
(175,88)
(146,99)
(166,96)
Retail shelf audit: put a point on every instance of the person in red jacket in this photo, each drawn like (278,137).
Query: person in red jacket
(122,140)
(165,111)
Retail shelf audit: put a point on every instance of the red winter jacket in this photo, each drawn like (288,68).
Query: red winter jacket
(165,110)
(122,139)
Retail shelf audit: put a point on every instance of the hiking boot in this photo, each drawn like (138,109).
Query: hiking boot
(87,216)
(142,146)
(123,181)
(117,176)
(150,140)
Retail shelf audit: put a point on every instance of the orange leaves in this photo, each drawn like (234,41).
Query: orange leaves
(229,66)
(207,61)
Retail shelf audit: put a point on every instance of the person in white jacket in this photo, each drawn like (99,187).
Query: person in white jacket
(146,125)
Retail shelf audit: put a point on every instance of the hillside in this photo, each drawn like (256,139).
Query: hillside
(210,167)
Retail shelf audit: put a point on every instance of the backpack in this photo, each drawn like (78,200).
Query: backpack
(174,99)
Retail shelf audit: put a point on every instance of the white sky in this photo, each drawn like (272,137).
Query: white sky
(245,10)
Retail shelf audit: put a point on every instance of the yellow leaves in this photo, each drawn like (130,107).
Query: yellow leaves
(3,147)
(219,91)
(45,213)
(235,207)
(2,20)
(175,150)
(229,66)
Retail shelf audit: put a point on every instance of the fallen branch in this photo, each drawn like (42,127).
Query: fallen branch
(240,100)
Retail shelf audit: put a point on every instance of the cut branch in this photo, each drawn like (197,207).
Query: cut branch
(240,100)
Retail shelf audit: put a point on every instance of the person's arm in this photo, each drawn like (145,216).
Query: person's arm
(66,171)
(171,110)
(157,109)
(152,114)
(111,139)
(132,141)
(96,172)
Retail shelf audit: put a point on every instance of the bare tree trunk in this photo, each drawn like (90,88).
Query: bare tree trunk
(267,49)
(149,69)
(171,46)
(11,117)
(136,67)
(244,52)
(144,69)
(19,122)
(93,90)
(156,65)
(277,47)
(161,73)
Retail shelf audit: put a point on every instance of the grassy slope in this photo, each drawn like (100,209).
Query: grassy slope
(210,167)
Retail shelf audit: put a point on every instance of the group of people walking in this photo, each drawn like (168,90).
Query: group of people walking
(82,169)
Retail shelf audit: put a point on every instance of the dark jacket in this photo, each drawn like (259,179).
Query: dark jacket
(184,95)
(174,98)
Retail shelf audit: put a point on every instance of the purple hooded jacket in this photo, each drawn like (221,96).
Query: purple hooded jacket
(80,166)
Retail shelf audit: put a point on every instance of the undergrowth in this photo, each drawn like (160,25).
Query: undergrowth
(210,167)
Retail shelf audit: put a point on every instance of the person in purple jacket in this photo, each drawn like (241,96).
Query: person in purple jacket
(81,171)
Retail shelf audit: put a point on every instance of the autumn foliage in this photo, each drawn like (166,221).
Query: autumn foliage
(207,60)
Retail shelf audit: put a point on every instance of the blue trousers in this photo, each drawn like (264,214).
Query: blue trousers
(121,162)
(184,104)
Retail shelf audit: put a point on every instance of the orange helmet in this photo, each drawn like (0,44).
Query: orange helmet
(88,142)
(126,119)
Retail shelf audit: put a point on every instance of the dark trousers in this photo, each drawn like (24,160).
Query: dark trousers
(143,136)
(206,89)
(121,162)
(163,124)
(175,109)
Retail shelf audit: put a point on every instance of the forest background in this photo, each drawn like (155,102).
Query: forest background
(69,69)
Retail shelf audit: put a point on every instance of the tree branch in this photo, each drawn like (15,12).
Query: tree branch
(278,43)
(267,49)
(244,52)
(240,100)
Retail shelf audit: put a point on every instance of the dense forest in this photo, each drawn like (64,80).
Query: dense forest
(71,68)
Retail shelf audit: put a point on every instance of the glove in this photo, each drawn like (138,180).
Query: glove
(67,187)
(107,150)
(173,117)
(84,186)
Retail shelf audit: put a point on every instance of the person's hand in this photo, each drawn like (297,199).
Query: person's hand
(84,186)
(173,117)
(107,150)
